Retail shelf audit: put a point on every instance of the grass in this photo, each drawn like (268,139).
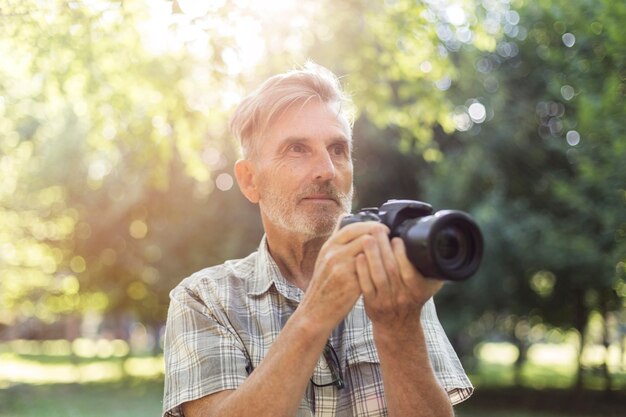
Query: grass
(48,380)
(142,398)
(131,397)
(538,377)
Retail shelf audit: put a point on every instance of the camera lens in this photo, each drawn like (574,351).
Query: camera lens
(451,246)
(447,245)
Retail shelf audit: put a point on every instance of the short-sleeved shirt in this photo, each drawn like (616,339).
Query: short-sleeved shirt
(223,320)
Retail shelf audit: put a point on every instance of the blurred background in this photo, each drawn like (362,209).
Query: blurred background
(116,180)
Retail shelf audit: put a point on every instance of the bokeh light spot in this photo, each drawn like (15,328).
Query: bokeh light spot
(542,283)
(444,83)
(477,112)
(456,15)
(512,17)
(426,66)
(224,182)
(462,121)
(572,137)
(138,229)
(568,39)
(78,264)
(137,290)
(567,92)
(70,285)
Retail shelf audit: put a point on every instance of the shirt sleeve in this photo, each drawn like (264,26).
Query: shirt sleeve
(201,355)
(445,362)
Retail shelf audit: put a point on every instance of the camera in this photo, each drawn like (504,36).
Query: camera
(446,245)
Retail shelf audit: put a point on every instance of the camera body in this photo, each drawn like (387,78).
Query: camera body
(446,245)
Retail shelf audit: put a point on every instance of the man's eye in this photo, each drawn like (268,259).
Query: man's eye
(297,148)
(339,150)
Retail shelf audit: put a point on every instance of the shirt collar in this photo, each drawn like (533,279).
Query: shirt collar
(267,273)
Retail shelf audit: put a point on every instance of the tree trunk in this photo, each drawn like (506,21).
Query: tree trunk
(520,362)
(522,347)
(608,383)
(580,320)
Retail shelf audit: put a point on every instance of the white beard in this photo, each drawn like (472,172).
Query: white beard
(283,210)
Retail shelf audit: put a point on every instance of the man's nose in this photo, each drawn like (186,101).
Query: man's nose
(324,168)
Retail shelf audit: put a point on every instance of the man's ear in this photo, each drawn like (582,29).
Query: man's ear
(246,178)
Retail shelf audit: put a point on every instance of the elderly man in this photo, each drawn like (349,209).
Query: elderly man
(318,321)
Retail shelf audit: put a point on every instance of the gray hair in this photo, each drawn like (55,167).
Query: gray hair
(255,114)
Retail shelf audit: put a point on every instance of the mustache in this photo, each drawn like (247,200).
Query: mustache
(325,189)
(343,199)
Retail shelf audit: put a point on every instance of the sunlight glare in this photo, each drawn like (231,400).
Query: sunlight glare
(156,35)
(248,24)
(456,15)
(195,8)
(498,353)
(552,353)
(148,367)
(268,7)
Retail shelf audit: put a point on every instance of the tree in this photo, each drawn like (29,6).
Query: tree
(116,133)
(98,129)
(549,192)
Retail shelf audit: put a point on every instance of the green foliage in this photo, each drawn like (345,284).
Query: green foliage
(403,65)
(114,120)
(545,176)
(105,141)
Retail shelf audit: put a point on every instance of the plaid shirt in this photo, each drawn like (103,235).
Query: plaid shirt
(223,320)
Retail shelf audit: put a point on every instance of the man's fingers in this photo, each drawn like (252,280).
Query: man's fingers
(363,274)
(388,256)
(406,268)
(354,230)
(378,273)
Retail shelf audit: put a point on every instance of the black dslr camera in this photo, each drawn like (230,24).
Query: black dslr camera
(445,245)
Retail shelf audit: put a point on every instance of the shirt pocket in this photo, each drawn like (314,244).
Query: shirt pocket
(362,351)
(364,379)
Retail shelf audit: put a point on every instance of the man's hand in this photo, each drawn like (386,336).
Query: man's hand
(334,288)
(394,291)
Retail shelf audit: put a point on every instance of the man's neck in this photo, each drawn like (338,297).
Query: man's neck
(295,255)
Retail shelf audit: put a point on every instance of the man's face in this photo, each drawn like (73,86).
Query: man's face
(304,170)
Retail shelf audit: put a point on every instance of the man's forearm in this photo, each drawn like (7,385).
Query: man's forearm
(411,388)
(277,385)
